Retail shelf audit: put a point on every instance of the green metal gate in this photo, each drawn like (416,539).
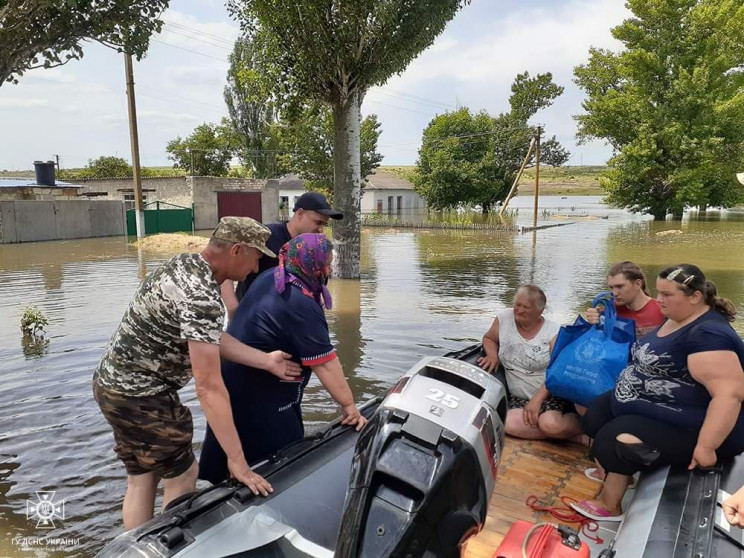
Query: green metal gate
(160,220)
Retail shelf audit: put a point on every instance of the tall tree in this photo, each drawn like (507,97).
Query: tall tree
(206,152)
(334,51)
(307,144)
(472,158)
(49,33)
(671,104)
(251,98)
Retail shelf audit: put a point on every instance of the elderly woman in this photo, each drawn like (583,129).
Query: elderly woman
(520,339)
(678,402)
(283,309)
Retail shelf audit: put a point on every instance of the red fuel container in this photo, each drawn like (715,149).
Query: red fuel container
(545,542)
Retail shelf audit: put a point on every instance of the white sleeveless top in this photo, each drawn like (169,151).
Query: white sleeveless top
(524,360)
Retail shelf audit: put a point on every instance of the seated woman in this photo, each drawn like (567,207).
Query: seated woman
(520,339)
(678,402)
(284,310)
(628,284)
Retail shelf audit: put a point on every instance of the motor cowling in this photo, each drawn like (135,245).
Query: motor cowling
(424,467)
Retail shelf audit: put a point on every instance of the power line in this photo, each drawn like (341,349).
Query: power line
(189,50)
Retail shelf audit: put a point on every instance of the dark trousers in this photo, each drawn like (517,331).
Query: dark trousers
(663,444)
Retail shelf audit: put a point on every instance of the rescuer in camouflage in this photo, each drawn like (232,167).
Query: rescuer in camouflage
(175,319)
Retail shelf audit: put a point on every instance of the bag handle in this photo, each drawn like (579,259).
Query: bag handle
(608,318)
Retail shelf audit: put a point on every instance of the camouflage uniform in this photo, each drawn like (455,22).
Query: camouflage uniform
(147,359)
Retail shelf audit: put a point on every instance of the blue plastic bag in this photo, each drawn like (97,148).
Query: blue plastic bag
(587,359)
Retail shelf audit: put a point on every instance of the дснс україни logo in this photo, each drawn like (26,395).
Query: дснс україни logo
(44,510)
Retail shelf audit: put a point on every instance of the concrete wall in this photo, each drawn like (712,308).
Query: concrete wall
(29,221)
(38,193)
(175,190)
(204,190)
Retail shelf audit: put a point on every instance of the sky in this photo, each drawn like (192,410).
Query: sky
(79,112)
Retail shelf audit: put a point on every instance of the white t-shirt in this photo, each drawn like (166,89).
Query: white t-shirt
(524,360)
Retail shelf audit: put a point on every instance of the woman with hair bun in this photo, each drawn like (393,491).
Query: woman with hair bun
(679,400)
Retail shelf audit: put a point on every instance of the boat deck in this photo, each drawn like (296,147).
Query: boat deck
(548,470)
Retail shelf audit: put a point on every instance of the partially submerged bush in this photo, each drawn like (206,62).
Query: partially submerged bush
(33,321)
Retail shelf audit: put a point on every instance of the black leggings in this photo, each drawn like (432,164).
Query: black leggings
(662,444)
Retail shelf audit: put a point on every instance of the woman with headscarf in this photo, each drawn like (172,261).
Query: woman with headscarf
(283,309)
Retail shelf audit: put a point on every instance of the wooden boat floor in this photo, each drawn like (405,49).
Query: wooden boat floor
(548,470)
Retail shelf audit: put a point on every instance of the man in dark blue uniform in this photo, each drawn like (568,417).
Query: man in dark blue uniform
(311,214)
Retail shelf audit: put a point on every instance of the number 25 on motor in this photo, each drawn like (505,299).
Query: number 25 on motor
(446,399)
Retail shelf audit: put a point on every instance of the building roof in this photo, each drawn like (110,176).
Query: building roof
(291,182)
(31,183)
(380,180)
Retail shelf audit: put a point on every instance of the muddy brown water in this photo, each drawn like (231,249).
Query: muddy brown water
(422,293)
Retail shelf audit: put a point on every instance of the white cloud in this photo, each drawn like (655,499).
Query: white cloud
(17,102)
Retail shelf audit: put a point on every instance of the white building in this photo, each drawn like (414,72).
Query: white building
(387,193)
(384,193)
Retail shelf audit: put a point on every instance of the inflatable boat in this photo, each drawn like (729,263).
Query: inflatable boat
(415,482)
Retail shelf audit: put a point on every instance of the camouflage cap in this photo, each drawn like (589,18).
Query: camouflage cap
(244,230)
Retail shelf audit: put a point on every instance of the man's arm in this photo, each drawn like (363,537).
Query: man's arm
(276,362)
(227,290)
(215,402)
(331,375)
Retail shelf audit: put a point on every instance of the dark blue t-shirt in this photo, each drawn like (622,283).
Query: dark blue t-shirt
(657,383)
(279,236)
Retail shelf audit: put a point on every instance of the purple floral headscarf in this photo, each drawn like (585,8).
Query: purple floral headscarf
(303,261)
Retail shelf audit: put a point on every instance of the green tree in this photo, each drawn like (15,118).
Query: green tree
(206,152)
(107,167)
(307,144)
(49,33)
(334,52)
(250,95)
(671,104)
(472,159)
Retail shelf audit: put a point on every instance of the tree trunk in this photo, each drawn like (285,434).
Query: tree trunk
(347,179)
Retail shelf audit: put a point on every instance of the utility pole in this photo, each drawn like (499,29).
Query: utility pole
(56,157)
(510,195)
(138,210)
(537,173)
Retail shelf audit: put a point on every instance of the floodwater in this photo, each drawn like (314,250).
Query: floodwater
(423,293)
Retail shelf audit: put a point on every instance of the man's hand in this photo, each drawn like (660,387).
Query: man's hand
(278,363)
(531,412)
(592,316)
(241,471)
(733,508)
(488,363)
(703,457)
(352,417)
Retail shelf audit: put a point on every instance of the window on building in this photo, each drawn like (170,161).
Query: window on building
(129,200)
(390,204)
(400,204)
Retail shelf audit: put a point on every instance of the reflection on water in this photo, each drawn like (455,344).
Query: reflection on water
(423,292)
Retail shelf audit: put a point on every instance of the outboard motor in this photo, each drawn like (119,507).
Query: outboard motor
(425,466)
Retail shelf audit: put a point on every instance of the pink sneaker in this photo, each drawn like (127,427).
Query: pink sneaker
(597,513)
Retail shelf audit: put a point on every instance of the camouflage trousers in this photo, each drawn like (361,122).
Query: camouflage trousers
(153,433)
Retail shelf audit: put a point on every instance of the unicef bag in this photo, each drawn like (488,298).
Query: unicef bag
(587,359)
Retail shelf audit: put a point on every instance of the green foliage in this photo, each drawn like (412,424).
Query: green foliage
(671,104)
(307,144)
(334,52)
(33,321)
(49,33)
(108,167)
(328,51)
(250,95)
(206,152)
(468,159)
